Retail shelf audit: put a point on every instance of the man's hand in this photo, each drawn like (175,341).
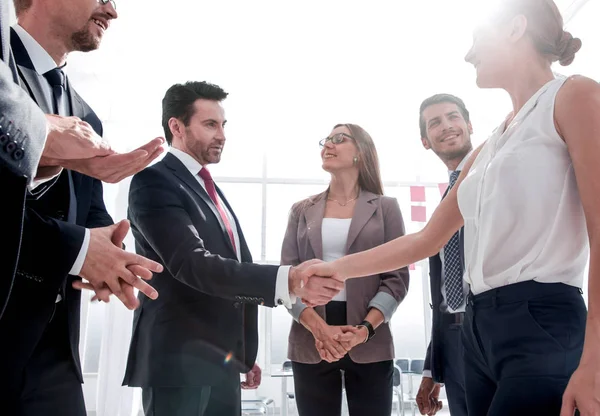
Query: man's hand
(71,138)
(109,268)
(428,397)
(253,378)
(117,166)
(313,290)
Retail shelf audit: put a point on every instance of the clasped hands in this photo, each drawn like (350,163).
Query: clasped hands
(334,342)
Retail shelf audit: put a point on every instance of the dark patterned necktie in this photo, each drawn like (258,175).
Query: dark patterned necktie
(452,265)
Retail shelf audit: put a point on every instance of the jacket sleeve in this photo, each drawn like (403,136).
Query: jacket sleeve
(49,248)
(97,215)
(291,256)
(427,363)
(159,218)
(394,284)
(22,128)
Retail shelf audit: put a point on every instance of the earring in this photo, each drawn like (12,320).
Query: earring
(355,160)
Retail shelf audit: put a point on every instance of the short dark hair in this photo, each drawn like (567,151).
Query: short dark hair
(437,99)
(179,102)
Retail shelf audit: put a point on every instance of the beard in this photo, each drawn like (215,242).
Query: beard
(455,154)
(84,41)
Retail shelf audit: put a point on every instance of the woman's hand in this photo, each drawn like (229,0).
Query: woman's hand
(351,336)
(328,347)
(583,390)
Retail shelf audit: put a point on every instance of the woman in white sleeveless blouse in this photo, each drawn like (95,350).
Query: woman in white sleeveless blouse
(529,199)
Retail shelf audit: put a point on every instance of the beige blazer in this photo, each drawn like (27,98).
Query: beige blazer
(376,220)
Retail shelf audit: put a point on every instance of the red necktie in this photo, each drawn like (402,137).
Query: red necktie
(212,192)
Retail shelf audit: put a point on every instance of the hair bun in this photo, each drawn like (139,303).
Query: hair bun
(567,47)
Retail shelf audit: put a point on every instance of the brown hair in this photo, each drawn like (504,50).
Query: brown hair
(545,27)
(369,175)
(21,6)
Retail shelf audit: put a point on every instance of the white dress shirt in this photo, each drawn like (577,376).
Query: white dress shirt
(282,294)
(43,62)
(523,215)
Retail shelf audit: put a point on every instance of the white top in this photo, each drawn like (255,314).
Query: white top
(444,305)
(334,232)
(281,285)
(523,215)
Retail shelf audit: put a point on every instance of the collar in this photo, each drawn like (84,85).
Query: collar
(40,58)
(462,163)
(188,161)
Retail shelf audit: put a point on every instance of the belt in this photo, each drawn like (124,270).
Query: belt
(453,318)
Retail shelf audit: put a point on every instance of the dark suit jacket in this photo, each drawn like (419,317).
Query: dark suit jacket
(19,156)
(434,360)
(376,220)
(203,327)
(52,238)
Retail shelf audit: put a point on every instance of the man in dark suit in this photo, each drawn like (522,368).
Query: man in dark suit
(189,347)
(40,367)
(446,129)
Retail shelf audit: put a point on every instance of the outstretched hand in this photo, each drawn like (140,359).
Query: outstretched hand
(313,289)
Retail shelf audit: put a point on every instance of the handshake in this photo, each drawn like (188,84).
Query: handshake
(315,282)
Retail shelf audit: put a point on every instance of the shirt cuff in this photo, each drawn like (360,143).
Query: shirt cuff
(427,373)
(282,291)
(76,269)
(385,303)
(297,309)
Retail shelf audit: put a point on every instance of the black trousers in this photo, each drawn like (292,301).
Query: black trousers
(219,400)
(454,368)
(318,387)
(50,384)
(522,343)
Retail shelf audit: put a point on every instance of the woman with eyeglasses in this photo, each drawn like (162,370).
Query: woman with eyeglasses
(350,335)
(529,199)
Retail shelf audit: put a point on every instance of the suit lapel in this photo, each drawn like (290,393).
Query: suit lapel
(314,221)
(186,177)
(31,80)
(75,102)
(363,211)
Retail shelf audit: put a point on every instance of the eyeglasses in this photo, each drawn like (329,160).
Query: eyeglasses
(335,139)
(113,3)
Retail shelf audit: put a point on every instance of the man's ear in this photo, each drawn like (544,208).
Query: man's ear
(426,143)
(470,127)
(176,127)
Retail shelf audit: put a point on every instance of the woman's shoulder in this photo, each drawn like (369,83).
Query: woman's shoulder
(388,201)
(299,207)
